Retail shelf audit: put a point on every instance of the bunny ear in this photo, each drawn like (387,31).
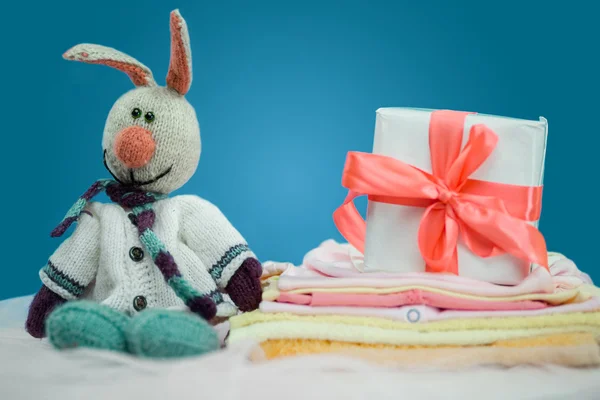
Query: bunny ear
(179,76)
(96,54)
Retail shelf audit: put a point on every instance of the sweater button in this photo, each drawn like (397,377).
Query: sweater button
(139,303)
(132,218)
(136,254)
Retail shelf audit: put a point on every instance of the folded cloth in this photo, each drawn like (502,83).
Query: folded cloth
(273,268)
(366,334)
(565,273)
(262,326)
(341,261)
(272,292)
(404,298)
(567,349)
(423,314)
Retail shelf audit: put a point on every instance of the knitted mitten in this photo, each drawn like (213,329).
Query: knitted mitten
(244,286)
(87,324)
(44,302)
(157,333)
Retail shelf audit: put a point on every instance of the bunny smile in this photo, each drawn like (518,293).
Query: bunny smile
(132,181)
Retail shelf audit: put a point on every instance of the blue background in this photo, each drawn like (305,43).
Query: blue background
(283,89)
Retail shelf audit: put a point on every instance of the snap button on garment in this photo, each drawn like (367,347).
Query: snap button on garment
(136,254)
(139,303)
(413,315)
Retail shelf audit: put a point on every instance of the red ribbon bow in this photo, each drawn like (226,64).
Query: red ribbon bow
(490,217)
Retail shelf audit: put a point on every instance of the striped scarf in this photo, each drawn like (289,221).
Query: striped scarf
(140,203)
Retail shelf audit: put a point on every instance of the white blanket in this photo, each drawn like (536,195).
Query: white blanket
(31,369)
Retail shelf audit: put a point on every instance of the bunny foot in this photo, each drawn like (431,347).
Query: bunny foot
(159,333)
(87,324)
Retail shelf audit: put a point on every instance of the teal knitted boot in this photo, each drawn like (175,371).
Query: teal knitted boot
(87,324)
(158,333)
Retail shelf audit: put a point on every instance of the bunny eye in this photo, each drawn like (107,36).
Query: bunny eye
(149,117)
(136,113)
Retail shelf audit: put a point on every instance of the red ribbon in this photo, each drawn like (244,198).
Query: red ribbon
(490,217)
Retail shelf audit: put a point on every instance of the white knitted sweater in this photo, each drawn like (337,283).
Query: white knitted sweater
(104,260)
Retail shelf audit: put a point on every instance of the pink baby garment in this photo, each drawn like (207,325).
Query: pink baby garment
(423,314)
(409,297)
(335,265)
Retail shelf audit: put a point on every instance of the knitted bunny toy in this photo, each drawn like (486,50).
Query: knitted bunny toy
(145,273)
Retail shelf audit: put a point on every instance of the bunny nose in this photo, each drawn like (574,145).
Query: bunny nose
(134,146)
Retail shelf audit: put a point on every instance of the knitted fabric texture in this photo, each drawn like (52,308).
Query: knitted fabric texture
(148,251)
(179,76)
(175,133)
(44,302)
(86,324)
(98,256)
(134,146)
(241,284)
(139,74)
(141,205)
(170,334)
(151,334)
(163,113)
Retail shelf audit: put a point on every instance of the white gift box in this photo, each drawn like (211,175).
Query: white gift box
(403,133)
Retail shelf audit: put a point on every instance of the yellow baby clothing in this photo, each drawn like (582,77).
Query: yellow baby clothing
(572,350)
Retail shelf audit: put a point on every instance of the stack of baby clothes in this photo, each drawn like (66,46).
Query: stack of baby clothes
(449,269)
(328,305)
